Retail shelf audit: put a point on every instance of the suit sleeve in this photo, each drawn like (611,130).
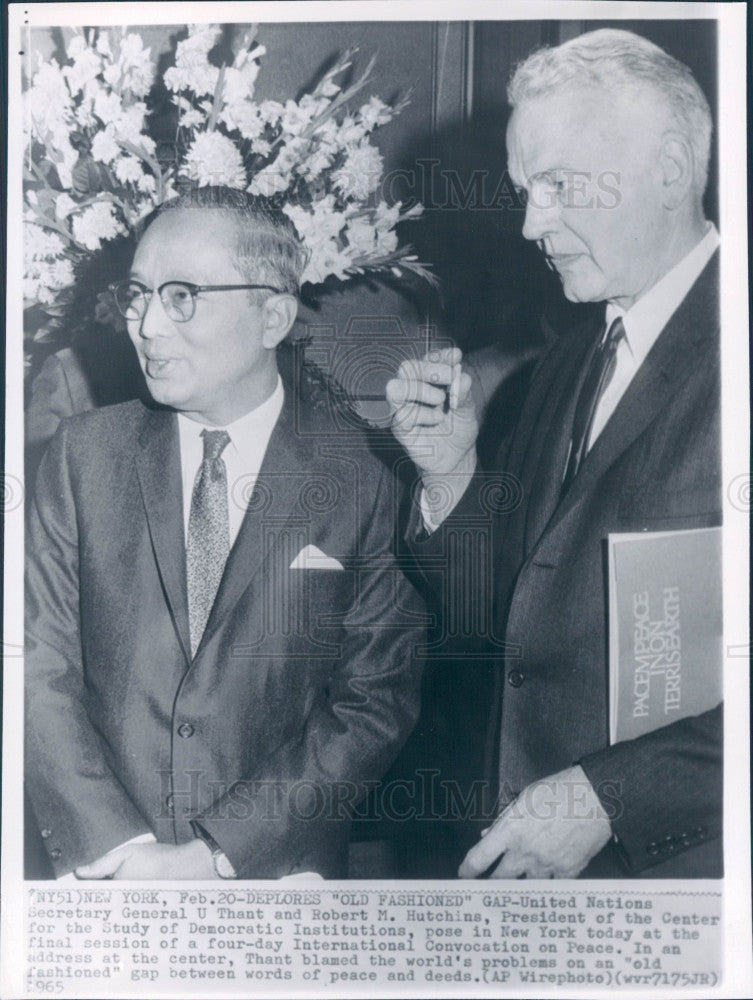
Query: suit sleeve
(662,791)
(80,805)
(281,818)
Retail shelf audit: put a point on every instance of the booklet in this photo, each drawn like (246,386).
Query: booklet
(665,628)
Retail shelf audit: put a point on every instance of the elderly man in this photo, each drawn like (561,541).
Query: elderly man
(608,143)
(220,651)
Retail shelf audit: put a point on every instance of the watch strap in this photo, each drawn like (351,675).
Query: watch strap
(222,865)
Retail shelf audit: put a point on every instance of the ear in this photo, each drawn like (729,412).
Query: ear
(677,168)
(279,315)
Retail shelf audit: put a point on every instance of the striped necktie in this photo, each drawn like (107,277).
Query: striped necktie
(600,373)
(208,533)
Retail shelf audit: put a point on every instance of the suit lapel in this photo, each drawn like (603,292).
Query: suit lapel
(679,349)
(273,501)
(159,471)
(549,454)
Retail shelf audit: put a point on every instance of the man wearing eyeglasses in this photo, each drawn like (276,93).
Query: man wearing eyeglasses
(221,643)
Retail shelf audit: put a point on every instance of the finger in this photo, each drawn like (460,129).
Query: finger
(460,390)
(485,852)
(432,372)
(104,867)
(423,392)
(512,865)
(445,355)
(414,415)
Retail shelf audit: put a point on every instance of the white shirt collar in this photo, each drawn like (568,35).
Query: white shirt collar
(645,320)
(245,433)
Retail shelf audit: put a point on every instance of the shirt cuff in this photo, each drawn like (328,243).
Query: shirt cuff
(143,838)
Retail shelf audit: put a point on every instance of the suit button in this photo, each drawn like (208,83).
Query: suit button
(45,834)
(185,731)
(700,832)
(653,850)
(515,678)
(56,853)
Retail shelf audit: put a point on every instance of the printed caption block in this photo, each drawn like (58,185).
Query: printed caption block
(91,941)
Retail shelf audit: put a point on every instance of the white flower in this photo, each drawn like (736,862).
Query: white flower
(214,159)
(104,145)
(107,106)
(64,205)
(97,222)
(134,64)
(296,118)
(103,44)
(375,113)
(243,117)
(271,111)
(350,132)
(46,269)
(386,241)
(41,244)
(238,84)
(201,80)
(146,183)
(87,65)
(48,100)
(320,230)
(61,272)
(361,172)
(130,123)
(261,146)
(327,259)
(201,39)
(269,181)
(317,161)
(192,70)
(361,235)
(192,118)
(128,169)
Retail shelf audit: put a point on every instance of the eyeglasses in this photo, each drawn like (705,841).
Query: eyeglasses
(178,298)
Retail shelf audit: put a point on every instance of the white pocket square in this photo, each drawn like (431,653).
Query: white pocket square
(310,557)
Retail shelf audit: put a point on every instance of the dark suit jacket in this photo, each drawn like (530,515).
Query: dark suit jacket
(305,683)
(539,577)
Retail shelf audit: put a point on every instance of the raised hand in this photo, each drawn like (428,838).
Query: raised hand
(434,418)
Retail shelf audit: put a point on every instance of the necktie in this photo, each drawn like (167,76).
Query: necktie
(599,375)
(208,533)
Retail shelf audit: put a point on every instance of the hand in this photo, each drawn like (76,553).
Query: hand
(439,442)
(552,830)
(153,861)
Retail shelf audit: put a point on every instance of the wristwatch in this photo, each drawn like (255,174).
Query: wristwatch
(222,866)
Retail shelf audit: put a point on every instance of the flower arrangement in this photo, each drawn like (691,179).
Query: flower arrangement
(92,169)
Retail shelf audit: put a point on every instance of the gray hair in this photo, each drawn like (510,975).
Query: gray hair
(616,60)
(268,249)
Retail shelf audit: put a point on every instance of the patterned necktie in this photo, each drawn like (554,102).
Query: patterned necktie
(600,373)
(208,533)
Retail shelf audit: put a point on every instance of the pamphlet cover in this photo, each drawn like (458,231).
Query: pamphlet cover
(665,628)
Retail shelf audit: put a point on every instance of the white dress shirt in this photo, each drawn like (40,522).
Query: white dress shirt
(645,320)
(243,455)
